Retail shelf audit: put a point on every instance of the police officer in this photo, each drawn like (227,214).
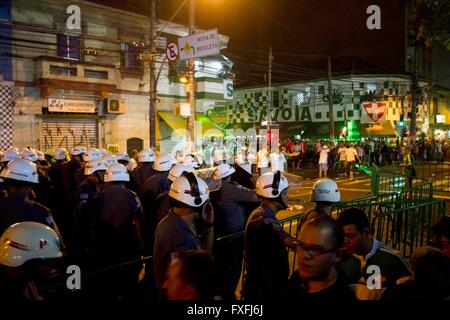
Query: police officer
(230,217)
(117,216)
(27,250)
(193,160)
(60,208)
(43,191)
(266,254)
(162,203)
(70,169)
(9,155)
(20,176)
(188,226)
(153,186)
(325,193)
(89,155)
(144,171)
(94,170)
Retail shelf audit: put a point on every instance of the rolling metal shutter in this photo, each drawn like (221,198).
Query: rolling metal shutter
(67,133)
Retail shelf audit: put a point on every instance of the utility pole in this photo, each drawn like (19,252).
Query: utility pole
(330,100)
(191,72)
(414,100)
(269,99)
(152,109)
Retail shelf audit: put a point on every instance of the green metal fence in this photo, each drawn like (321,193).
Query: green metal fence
(408,227)
(406,186)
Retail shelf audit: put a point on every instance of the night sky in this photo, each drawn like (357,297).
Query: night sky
(302,33)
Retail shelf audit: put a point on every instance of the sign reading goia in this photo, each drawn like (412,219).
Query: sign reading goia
(239,114)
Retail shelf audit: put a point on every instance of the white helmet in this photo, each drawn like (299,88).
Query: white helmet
(271,184)
(122,156)
(92,154)
(146,155)
(117,172)
(163,163)
(177,170)
(190,190)
(193,160)
(93,166)
(25,241)
(22,170)
(41,155)
(325,190)
(110,160)
(78,150)
(60,154)
(10,154)
(29,155)
(103,152)
(222,171)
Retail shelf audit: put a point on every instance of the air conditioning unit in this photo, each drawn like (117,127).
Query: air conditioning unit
(115,105)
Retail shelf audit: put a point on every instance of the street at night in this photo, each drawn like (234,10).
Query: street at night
(227,154)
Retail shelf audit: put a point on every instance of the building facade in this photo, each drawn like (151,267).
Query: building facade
(64,85)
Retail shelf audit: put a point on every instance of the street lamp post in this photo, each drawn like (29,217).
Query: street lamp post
(191,74)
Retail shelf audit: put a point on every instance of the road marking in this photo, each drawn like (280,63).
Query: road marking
(350,189)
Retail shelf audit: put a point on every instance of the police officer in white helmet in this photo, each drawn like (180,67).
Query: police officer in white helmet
(229,203)
(266,242)
(20,177)
(152,187)
(117,216)
(28,252)
(94,172)
(325,193)
(188,226)
(145,170)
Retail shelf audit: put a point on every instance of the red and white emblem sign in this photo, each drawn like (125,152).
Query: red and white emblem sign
(375,110)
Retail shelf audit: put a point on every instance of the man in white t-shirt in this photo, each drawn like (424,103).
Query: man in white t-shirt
(351,156)
(263,161)
(341,158)
(277,161)
(323,161)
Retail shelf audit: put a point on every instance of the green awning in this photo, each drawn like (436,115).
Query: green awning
(176,122)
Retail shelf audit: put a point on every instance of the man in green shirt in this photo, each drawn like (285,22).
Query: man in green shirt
(373,256)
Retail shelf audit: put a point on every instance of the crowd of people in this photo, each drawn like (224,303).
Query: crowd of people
(161,229)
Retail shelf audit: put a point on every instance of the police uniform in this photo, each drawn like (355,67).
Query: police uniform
(17,208)
(82,215)
(155,185)
(230,217)
(243,178)
(162,206)
(172,236)
(266,255)
(115,211)
(43,190)
(60,206)
(139,175)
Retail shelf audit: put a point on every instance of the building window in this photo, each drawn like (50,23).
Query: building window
(96,74)
(339,114)
(318,115)
(350,113)
(371,87)
(275,99)
(68,47)
(63,71)
(130,56)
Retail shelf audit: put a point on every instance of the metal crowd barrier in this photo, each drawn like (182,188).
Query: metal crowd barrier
(408,227)
(437,172)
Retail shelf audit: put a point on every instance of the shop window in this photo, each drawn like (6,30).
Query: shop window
(96,74)
(68,46)
(63,71)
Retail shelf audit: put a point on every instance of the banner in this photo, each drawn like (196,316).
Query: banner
(373,112)
(65,105)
